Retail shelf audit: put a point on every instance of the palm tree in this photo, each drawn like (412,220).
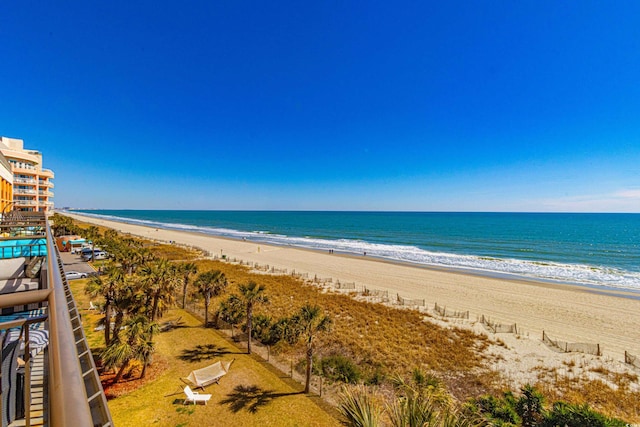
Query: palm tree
(126,302)
(266,331)
(92,233)
(187,269)
(137,345)
(210,284)
(310,321)
(62,225)
(160,280)
(108,287)
(252,293)
(232,311)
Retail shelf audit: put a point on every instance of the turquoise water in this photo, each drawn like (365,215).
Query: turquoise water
(590,249)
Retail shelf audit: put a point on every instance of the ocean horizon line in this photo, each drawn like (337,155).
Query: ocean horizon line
(349,211)
(379,236)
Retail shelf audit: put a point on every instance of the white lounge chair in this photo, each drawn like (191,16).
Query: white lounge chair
(91,306)
(194,396)
(211,374)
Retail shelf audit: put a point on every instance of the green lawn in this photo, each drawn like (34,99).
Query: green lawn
(251,394)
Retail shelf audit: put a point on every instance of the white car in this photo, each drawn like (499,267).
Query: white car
(97,255)
(72,275)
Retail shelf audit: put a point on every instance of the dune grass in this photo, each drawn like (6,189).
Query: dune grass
(384,341)
(251,394)
(381,340)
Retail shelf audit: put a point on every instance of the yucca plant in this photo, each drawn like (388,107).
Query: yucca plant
(359,408)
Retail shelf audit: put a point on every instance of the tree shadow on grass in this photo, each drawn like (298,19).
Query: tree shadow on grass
(204,352)
(251,398)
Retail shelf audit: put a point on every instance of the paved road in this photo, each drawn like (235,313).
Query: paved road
(73,262)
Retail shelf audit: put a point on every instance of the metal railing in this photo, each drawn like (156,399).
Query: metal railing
(75,394)
(75,390)
(25,202)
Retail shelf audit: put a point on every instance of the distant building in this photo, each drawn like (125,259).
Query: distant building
(6,185)
(32,183)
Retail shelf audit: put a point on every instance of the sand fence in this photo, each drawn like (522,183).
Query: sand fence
(571,347)
(444,312)
(498,328)
(377,294)
(632,360)
(348,286)
(409,302)
(383,297)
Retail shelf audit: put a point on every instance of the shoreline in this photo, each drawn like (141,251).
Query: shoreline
(571,312)
(470,271)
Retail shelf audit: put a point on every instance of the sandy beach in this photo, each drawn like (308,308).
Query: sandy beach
(565,312)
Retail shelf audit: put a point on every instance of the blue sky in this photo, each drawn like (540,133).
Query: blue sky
(333,105)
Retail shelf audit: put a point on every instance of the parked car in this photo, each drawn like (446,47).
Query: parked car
(73,275)
(97,255)
(84,251)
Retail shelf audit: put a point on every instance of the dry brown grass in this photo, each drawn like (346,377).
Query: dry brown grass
(610,395)
(378,338)
(173,252)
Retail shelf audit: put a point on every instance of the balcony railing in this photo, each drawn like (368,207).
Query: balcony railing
(23,191)
(75,396)
(24,181)
(44,193)
(25,202)
(25,166)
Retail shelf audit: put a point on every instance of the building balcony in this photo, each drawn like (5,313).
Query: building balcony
(45,193)
(24,181)
(20,156)
(46,172)
(48,184)
(58,384)
(23,191)
(33,202)
(22,167)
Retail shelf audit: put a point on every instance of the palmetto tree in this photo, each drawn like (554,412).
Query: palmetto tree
(137,344)
(93,233)
(252,293)
(210,284)
(310,321)
(128,302)
(232,310)
(108,287)
(187,269)
(159,279)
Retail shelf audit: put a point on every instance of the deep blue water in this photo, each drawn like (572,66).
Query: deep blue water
(593,249)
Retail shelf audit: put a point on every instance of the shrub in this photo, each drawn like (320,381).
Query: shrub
(377,377)
(358,407)
(566,414)
(339,368)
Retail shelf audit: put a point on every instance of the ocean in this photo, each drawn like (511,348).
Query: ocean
(598,250)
